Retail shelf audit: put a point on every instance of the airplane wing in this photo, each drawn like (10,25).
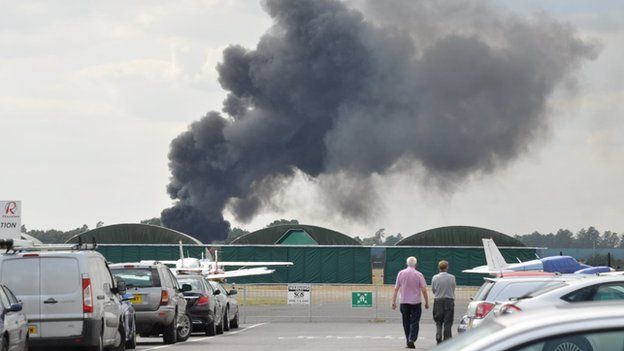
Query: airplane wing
(160,261)
(252,263)
(240,273)
(486,270)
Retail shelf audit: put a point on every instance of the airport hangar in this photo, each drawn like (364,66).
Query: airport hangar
(320,255)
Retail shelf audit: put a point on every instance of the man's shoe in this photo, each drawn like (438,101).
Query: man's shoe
(410,345)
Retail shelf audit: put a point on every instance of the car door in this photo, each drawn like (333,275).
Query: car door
(106,299)
(61,297)
(21,275)
(178,296)
(14,322)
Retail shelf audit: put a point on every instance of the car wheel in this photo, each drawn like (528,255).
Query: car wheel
(234,322)
(4,346)
(211,330)
(220,327)
(171,332)
(121,336)
(184,327)
(131,341)
(572,343)
(226,321)
(99,346)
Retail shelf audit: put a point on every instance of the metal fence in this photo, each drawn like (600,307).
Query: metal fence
(328,302)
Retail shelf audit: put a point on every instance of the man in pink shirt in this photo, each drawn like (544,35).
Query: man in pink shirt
(411,283)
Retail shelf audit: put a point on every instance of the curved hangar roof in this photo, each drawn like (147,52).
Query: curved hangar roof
(294,234)
(458,236)
(133,233)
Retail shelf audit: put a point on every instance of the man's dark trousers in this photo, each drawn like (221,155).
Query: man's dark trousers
(443,310)
(411,319)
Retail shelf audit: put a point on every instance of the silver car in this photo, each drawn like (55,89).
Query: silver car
(597,327)
(228,304)
(595,288)
(496,291)
(160,307)
(13,324)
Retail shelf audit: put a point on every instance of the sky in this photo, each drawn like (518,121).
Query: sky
(92,94)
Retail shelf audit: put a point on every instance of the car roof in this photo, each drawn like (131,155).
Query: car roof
(551,321)
(134,265)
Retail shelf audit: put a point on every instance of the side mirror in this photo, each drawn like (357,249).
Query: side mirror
(121,287)
(16,307)
(217,292)
(186,287)
(233,292)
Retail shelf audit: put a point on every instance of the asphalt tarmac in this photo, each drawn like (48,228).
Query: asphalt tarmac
(303,336)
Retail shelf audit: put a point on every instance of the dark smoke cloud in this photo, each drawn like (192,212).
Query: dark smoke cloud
(454,87)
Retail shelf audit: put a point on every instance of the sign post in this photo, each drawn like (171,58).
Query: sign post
(10,219)
(362,299)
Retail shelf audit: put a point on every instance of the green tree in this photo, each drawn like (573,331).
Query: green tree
(564,238)
(282,221)
(609,239)
(152,221)
(393,239)
(235,233)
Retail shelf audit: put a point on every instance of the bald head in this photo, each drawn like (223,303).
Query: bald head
(411,261)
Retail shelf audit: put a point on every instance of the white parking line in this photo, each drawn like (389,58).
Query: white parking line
(207,337)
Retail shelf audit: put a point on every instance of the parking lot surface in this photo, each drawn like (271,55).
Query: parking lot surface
(302,336)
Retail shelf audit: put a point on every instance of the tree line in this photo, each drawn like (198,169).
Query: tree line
(564,238)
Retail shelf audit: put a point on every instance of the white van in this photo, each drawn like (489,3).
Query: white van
(69,297)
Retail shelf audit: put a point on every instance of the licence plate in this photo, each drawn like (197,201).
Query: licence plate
(137,300)
(32,329)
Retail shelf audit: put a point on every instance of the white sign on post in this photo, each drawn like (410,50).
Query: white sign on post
(298,294)
(10,219)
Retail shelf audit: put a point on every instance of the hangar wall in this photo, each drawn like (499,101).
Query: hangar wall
(459,258)
(312,264)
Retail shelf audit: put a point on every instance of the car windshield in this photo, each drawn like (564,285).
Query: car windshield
(194,282)
(137,277)
(469,337)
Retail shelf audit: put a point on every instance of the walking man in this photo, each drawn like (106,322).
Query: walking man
(411,283)
(443,287)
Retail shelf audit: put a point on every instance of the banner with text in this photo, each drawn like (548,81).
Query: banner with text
(10,219)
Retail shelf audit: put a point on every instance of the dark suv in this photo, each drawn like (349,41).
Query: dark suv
(159,304)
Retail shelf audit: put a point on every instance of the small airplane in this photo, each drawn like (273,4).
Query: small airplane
(215,269)
(496,264)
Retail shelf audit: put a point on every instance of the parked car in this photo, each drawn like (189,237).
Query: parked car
(229,306)
(597,288)
(202,304)
(129,319)
(13,324)
(597,327)
(69,297)
(503,288)
(232,306)
(160,307)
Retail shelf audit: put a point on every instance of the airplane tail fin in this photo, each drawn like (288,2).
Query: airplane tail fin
(181,250)
(493,257)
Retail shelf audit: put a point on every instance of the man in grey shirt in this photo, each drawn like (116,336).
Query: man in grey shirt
(443,287)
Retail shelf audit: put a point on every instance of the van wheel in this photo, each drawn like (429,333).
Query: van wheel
(234,323)
(220,326)
(171,332)
(131,342)
(226,321)
(211,330)
(99,346)
(184,327)
(121,334)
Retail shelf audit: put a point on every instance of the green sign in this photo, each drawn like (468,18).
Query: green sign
(361,299)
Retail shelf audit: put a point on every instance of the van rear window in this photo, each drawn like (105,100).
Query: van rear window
(138,277)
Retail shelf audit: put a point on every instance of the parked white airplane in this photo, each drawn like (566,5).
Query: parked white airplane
(215,269)
(496,263)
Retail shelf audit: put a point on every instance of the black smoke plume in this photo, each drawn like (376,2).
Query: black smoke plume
(453,87)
